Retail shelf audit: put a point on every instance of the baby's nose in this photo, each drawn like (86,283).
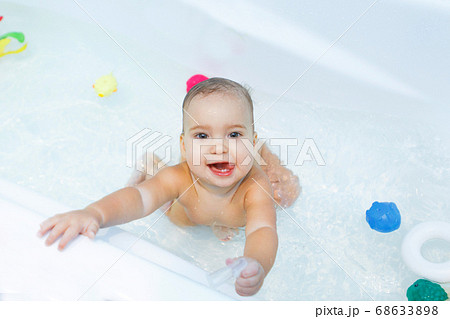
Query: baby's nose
(220,147)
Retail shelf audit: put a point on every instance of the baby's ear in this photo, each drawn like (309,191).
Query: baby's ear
(255,138)
(182,146)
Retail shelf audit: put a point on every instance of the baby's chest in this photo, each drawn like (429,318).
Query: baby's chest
(224,214)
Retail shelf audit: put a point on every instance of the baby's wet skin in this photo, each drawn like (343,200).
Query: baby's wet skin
(225,193)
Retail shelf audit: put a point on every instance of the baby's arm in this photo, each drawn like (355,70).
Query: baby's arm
(261,239)
(120,207)
(285,184)
(136,202)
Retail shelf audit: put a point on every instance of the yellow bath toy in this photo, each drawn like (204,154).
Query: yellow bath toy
(5,40)
(105,85)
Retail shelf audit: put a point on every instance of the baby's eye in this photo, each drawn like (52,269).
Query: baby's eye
(201,135)
(235,134)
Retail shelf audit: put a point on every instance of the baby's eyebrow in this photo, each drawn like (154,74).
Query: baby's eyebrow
(238,126)
(203,127)
(207,127)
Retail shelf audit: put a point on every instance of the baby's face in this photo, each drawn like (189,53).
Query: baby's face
(218,147)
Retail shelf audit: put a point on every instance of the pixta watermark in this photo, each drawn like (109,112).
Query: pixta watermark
(142,146)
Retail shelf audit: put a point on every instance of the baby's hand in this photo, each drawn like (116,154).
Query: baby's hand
(251,278)
(85,222)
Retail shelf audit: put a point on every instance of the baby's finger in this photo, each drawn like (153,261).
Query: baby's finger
(91,230)
(229,261)
(252,269)
(248,282)
(69,234)
(55,233)
(47,224)
(248,291)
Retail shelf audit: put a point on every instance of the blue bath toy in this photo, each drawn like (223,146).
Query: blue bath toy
(383,217)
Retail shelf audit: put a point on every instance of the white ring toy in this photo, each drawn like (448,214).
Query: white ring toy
(412,256)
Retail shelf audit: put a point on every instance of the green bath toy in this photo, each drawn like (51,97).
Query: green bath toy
(424,290)
(19,36)
(5,40)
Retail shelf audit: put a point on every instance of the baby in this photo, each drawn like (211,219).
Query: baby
(221,181)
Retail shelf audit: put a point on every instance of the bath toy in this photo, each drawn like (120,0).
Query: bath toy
(424,290)
(218,277)
(383,217)
(5,40)
(412,255)
(105,85)
(19,36)
(3,44)
(193,80)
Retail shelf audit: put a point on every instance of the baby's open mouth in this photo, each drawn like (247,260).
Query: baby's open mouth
(221,169)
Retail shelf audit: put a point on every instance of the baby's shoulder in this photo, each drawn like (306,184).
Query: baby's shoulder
(256,182)
(177,174)
(257,190)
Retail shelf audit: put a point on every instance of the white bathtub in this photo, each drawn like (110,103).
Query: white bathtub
(115,266)
(386,62)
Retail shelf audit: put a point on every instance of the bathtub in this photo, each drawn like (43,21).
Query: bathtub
(367,81)
(30,271)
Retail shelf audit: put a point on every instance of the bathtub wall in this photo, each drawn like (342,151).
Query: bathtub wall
(382,56)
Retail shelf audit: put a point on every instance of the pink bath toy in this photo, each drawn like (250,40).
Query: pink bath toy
(195,79)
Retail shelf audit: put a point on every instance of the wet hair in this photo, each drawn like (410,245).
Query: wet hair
(218,85)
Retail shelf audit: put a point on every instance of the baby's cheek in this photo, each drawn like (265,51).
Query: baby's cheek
(243,156)
(193,154)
